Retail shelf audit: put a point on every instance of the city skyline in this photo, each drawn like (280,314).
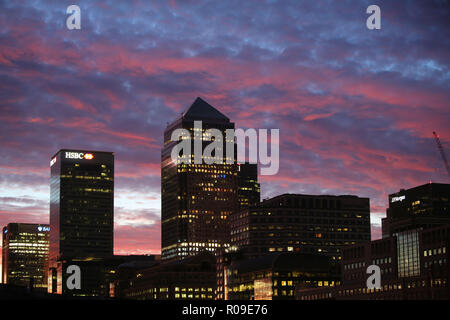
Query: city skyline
(355,117)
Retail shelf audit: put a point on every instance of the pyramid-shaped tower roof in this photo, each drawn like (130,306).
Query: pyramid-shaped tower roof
(202,110)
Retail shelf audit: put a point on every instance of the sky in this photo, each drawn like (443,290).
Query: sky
(356,108)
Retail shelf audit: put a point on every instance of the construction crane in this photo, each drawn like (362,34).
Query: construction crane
(441,150)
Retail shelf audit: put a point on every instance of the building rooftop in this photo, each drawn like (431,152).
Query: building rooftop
(285,261)
(80,150)
(427,187)
(202,110)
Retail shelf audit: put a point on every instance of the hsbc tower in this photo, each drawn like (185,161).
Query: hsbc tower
(81,211)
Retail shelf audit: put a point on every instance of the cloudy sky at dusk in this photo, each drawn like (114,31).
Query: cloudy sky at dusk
(356,108)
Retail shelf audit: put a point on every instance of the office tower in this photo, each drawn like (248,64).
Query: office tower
(25,255)
(301,223)
(81,213)
(421,207)
(410,211)
(248,186)
(197,199)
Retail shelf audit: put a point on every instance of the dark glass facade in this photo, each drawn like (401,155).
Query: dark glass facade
(197,199)
(81,210)
(25,255)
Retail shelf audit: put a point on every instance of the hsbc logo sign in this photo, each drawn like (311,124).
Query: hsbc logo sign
(79,155)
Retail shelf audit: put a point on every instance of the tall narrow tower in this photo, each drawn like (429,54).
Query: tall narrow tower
(81,213)
(197,199)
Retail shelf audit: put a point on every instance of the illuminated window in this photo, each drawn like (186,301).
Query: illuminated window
(408,253)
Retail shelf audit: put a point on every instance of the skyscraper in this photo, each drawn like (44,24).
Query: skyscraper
(81,211)
(197,199)
(25,254)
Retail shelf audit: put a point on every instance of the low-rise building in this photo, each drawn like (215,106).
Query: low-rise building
(192,278)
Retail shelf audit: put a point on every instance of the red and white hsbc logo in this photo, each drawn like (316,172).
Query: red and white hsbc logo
(79,155)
